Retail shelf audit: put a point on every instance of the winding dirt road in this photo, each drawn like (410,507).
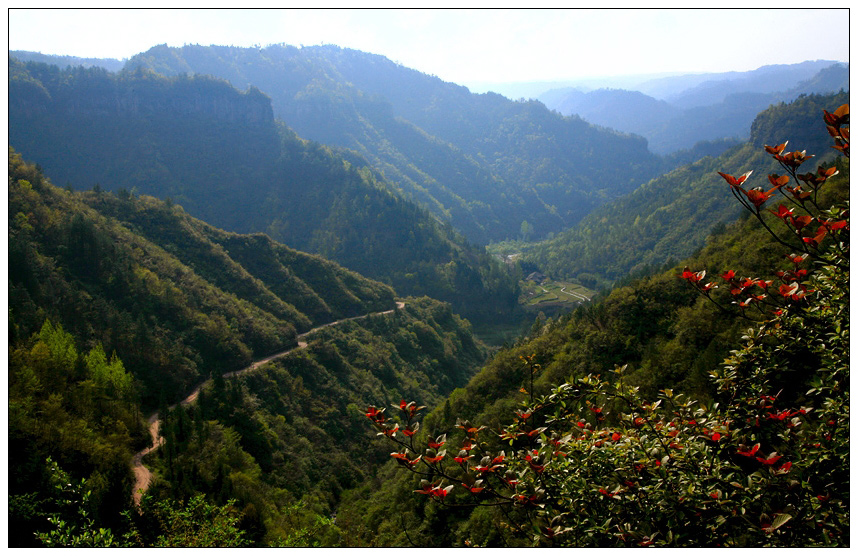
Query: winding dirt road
(143,475)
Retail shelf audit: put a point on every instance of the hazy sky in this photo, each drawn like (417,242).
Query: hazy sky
(467,46)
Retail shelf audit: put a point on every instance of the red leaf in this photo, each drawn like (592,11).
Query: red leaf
(776,150)
(800,222)
(757,196)
(778,181)
(782,212)
(771,460)
(438,442)
(733,181)
(436,458)
(750,453)
(788,290)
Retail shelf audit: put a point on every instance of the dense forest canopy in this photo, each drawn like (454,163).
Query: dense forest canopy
(105,324)
(668,218)
(220,154)
(230,269)
(484,162)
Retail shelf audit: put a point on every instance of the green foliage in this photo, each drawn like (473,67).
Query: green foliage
(95,262)
(59,412)
(309,530)
(222,157)
(109,376)
(601,462)
(194,523)
(482,162)
(671,216)
(72,525)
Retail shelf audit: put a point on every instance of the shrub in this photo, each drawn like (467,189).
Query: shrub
(595,464)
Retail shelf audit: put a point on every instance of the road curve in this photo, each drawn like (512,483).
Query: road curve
(143,476)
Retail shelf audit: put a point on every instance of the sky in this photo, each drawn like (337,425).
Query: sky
(468,47)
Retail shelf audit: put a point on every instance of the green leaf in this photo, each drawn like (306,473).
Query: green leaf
(779,520)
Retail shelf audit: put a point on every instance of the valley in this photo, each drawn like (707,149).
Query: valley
(240,276)
(551,296)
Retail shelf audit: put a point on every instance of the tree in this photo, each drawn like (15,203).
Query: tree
(71,521)
(593,463)
(526,230)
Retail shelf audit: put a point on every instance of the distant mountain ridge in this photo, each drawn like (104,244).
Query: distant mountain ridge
(713,107)
(110,64)
(765,79)
(487,164)
(482,161)
(669,217)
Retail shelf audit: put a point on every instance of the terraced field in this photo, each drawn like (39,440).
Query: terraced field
(553,296)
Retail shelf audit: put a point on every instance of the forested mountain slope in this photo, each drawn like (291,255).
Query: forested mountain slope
(122,303)
(670,217)
(483,161)
(146,280)
(110,64)
(298,423)
(221,155)
(669,339)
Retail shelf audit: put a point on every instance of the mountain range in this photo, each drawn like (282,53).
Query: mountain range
(669,217)
(222,156)
(676,112)
(202,208)
(483,162)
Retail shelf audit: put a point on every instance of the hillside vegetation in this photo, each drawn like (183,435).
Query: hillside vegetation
(483,162)
(602,465)
(220,154)
(668,218)
(146,280)
(120,304)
